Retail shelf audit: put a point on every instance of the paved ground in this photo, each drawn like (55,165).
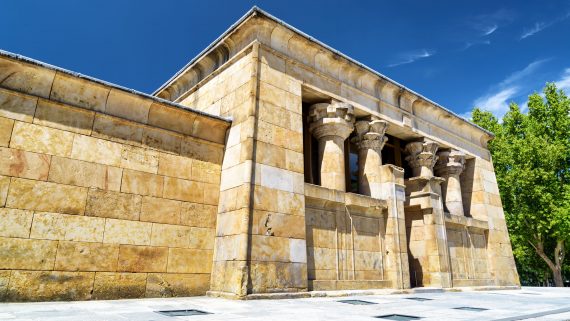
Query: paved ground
(525,304)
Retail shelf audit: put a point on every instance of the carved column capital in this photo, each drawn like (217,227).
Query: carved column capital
(370,134)
(450,162)
(334,119)
(422,157)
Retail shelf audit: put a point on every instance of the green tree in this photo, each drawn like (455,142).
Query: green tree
(531,154)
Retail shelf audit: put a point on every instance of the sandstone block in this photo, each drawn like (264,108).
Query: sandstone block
(201,150)
(189,261)
(282,225)
(117,129)
(234,223)
(142,183)
(172,119)
(231,248)
(142,258)
(49,226)
(6,126)
(26,254)
(206,172)
(82,256)
(15,223)
(46,197)
(173,285)
(270,248)
(49,286)
(111,285)
(41,139)
(96,150)
(17,106)
(139,159)
(127,232)
(199,215)
(170,235)
(79,92)
(211,194)
(175,166)
(127,106)
(34,80)
(63,117)
(84,228)
(19,163)
(160,210)
(183,190)
(162,140)
(113,204)
(79,173)
(201,238)
(4,281)
(4,184)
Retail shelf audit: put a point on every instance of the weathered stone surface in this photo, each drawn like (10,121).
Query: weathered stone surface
(49,285)
(47,197)
(117,129)
(162,140)
(19,163)
(121,104)
(139,159)
(199,215)
(160,210)
(127,232)
(189,261)
(83,256)
(41,139)
(79,92)
(63,117)
(25,254)
(161,285)
(201,238)
(17,106)
(79,173)
(6,126)
(175,166)
(183,190)
(170,235)
(142,258)
(111,285)
(142,183)
(15,223)
(4,184)
(96,150)
(113,204)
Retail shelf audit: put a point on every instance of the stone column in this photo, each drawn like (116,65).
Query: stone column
(424,190)
(421,157)
(449,166)
(370,140)
(331,124)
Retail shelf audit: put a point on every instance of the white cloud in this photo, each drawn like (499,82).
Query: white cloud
(521,74)
(411,56)
(470,44)
(498,102)
(539,26)
(498,98)
(564,81)
(490,29)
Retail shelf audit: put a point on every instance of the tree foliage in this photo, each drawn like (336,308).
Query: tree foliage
(531,154)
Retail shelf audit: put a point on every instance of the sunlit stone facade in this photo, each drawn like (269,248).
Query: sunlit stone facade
(270,164)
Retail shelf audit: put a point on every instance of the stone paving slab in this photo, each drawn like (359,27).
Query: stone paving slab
(524,304)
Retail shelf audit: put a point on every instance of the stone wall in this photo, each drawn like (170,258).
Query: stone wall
(104,193)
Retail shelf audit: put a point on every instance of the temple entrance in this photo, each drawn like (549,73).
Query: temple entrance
(417,257)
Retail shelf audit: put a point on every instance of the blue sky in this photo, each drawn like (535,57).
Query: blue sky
(457,53)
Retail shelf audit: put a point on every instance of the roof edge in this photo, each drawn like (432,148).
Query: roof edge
(42,64)
(256,10)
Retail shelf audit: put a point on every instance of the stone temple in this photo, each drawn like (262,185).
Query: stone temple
(270,165)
